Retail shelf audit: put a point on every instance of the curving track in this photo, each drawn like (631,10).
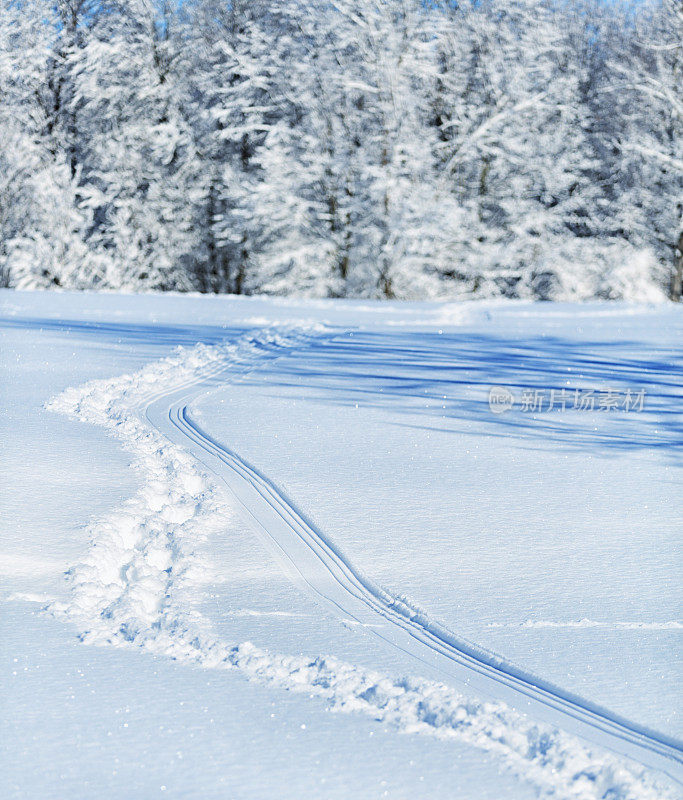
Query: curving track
(316,565)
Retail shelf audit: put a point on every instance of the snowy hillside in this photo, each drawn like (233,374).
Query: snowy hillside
(261,548)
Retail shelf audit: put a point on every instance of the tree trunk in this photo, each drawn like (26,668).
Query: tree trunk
(677,281)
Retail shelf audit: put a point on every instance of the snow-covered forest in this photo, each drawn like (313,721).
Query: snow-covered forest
(345,148)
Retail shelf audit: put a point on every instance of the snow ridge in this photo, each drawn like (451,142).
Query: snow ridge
(137,579)
(591,623)
(139,582)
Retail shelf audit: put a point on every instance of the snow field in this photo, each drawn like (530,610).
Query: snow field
(139,583)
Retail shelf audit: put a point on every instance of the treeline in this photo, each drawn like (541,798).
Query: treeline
(346,148)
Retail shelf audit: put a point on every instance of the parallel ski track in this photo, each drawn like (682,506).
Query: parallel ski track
(324,566)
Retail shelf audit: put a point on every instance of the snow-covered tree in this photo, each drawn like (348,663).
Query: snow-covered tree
(43,228)
(144,182)
(516,144)
(380,148)
(647,93)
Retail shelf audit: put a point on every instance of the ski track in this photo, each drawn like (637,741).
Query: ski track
(140,585)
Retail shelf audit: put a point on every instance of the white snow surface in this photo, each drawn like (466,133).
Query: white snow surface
(338,403)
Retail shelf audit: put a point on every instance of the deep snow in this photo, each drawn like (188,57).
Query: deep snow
(480,519)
